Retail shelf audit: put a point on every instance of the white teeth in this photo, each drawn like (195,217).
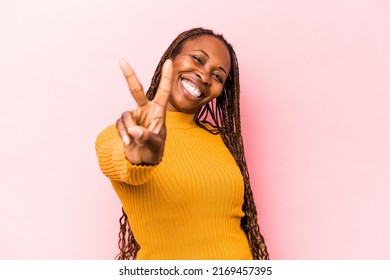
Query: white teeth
(191,88)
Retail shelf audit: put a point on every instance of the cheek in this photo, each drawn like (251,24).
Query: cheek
(181,64)
(216,91)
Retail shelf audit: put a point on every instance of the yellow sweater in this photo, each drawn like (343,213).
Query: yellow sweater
(189,206)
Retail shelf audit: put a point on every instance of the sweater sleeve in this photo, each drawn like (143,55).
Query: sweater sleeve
(113,162)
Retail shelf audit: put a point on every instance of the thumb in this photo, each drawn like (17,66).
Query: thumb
(136,132)
(144,137)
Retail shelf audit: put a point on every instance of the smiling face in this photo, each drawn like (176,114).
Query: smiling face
(199,73)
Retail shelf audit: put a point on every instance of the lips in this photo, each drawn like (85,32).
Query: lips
(191,88)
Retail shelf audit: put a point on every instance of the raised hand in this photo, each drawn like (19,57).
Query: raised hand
(143,130)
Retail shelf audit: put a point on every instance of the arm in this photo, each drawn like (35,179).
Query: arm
(113,161)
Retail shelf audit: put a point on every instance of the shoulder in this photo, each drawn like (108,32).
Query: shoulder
(109,133)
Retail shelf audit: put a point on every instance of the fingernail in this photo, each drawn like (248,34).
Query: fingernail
(126,139)
(136,132)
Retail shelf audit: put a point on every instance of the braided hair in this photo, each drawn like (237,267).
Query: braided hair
(223,114)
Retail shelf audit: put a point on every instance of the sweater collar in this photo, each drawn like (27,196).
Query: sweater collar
(180,120)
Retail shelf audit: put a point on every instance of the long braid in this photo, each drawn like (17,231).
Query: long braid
(128,246)
(224,113)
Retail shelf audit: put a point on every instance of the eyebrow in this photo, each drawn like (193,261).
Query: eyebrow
(206,55)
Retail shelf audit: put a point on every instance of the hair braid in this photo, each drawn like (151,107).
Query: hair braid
(224,113)
(128,246)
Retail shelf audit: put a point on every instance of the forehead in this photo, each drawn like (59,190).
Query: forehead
(214,47)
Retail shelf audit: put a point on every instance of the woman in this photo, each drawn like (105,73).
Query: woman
(177,161)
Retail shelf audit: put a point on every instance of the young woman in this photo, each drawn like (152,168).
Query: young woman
(177,161)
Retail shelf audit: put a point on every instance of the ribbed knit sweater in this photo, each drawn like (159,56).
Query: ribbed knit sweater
(189,206)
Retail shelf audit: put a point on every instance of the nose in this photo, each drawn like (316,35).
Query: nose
(204,76)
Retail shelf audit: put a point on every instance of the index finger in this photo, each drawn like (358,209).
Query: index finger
(165,85)
(134,85)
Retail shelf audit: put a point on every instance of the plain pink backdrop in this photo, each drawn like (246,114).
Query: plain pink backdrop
(315,79)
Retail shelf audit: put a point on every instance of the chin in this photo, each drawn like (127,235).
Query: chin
(184,105)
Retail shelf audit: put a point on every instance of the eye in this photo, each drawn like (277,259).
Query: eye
(197,59)
(218,77)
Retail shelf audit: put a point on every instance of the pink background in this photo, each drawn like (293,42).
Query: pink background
(315,111)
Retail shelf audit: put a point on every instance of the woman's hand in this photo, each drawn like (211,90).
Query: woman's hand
(143,130)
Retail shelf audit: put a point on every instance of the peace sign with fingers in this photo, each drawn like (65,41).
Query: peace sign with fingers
(143,130)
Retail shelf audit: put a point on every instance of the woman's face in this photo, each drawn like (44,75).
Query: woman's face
(199,73)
